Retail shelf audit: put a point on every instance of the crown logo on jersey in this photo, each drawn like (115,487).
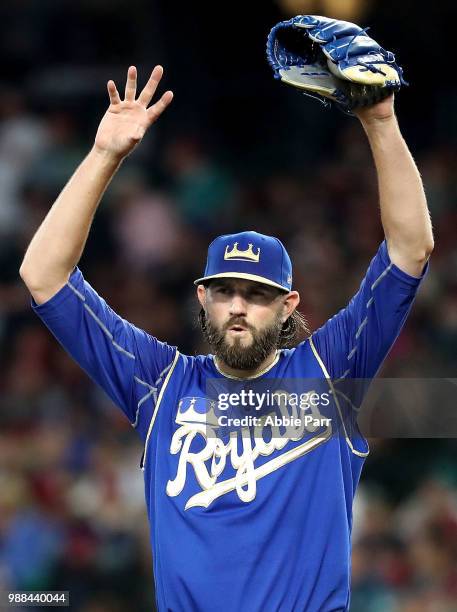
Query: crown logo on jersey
(247,255)
(197,410)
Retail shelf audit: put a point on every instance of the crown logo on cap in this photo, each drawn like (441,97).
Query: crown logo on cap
(247,255)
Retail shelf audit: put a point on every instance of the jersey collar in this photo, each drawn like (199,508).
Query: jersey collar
(261,373)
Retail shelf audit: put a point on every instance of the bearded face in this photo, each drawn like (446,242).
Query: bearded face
(240,345)
(242,322)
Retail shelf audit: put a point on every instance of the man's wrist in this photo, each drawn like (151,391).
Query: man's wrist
(374,123)
(107,158)
(380,128)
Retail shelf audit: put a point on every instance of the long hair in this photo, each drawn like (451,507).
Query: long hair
(293,331)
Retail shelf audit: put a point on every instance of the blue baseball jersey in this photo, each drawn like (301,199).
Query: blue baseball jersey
(241,523)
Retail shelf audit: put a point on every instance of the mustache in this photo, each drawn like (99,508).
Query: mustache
(238,321)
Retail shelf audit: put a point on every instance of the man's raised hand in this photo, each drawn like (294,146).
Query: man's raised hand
(126,121)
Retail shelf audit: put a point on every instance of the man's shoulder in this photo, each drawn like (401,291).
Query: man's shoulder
(203,362)
(291,355)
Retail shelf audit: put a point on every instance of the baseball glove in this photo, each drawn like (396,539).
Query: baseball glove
(333,61)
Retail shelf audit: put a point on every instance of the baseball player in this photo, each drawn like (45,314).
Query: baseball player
(255,523)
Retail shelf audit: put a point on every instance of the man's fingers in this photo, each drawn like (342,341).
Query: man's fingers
(130,86)
(150,88)
(113,93)
(157,109)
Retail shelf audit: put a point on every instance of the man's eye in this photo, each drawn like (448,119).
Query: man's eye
(258,293)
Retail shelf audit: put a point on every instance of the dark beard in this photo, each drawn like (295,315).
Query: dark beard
(237,356)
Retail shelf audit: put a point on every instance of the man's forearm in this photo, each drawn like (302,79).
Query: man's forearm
(404,213)
(59,242)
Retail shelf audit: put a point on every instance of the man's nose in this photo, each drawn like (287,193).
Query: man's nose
(238,305)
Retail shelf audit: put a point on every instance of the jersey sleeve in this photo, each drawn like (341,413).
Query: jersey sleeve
(124,360)
(355,342)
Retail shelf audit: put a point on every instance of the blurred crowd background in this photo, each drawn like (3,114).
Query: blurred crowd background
(236,150)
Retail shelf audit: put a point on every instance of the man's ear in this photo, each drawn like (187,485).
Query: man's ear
(201,295)
(291,301)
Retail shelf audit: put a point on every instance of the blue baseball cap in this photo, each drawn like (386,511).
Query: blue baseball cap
(251,256)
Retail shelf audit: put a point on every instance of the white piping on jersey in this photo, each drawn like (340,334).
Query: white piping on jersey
(152,390)
(348,399)
(157,382)
(163,372)
(342,377)
(361,326)
(159,399)
(381,276)
(351,354)
(329,381)
(365,321)
(100,323)
(143,382)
